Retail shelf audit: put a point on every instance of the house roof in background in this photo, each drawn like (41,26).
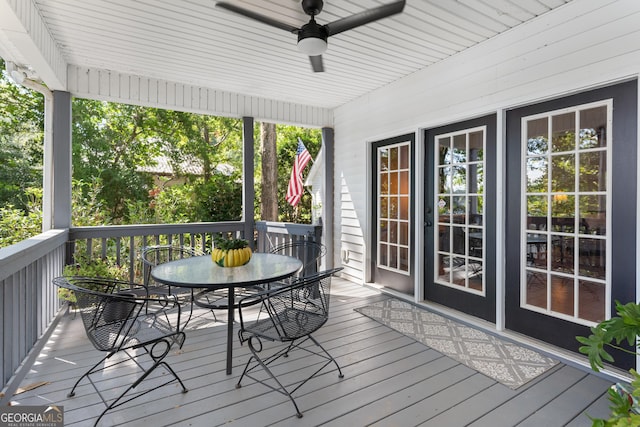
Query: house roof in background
(162,166)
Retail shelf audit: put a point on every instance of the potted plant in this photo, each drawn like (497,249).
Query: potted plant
(612,333)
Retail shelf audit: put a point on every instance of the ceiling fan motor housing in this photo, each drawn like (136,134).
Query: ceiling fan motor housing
(312,30)
(312,7)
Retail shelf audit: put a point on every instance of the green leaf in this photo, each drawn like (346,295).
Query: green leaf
(593,347)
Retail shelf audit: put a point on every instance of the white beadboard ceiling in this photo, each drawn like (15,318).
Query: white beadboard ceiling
(194,42)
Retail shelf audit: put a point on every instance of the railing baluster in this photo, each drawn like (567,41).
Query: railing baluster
(104,243)
(118,249)
(90,248)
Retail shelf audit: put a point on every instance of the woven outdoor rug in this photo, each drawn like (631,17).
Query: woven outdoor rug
(505,362)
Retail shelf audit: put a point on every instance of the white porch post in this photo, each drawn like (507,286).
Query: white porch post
(248,189)
(327,195)
(57,165)
(47,163)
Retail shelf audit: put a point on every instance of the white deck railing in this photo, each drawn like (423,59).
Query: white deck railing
(28,301)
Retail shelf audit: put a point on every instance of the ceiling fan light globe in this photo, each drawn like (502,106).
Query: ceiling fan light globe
(312,46)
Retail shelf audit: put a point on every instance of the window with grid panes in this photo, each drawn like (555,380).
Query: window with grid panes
(393,207)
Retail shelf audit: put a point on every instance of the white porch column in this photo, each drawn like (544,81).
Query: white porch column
(248,189)
(57,165)
(328,195)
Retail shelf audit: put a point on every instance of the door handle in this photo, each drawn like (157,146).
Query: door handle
(428,223)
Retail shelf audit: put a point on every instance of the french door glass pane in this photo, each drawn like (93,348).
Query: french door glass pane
(394,200)
(459,188)
(404,157)
(564,240)
(590,294)
(538,136)
(563,132)
(592,134)
(593,167)
(537,174)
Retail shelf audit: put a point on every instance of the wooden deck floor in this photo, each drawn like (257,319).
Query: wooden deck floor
(390,380)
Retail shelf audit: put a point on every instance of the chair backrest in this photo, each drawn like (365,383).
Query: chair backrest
(108,308)
(155,255)
(307,252)
(293,311)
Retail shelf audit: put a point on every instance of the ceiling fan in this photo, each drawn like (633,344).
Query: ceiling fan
(312,37)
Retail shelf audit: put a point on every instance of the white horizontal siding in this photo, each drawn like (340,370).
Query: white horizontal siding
(118,87)
(580,45)
(349,227)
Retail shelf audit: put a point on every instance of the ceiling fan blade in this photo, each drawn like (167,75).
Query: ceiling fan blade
(256,16)
(316,63)
(364,17)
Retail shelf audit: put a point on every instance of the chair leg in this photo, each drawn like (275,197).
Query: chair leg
(281,388)
(158,359)
(264,363)
(89,372)
(340,374)
(191,303)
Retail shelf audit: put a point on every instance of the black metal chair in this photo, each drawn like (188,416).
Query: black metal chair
(288,314)
(308,252)
(158,254)
(119,321)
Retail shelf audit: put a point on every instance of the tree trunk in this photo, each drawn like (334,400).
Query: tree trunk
(206,161)
(269,204)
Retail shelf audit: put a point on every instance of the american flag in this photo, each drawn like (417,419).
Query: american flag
(295,190)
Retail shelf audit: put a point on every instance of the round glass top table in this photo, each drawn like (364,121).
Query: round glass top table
(202,272)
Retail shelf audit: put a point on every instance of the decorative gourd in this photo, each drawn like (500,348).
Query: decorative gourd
(231,252)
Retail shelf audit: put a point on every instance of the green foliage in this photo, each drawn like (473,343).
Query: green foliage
(228,243)
(111,142)
(611,333)
(87,208)
(90,267)
(172,204)
(219,199)
(16,225)
(625,327)
(17,174)
(21,136)
(623,405)
(287,143)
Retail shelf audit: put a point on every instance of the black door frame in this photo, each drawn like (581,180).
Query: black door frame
(480,306)
(388,278)
(553,330)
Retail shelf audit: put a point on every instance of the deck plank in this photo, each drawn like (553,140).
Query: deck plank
(524,404)
(600,408)
(427,404)
(569,405)
(390,380)
(473,407)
